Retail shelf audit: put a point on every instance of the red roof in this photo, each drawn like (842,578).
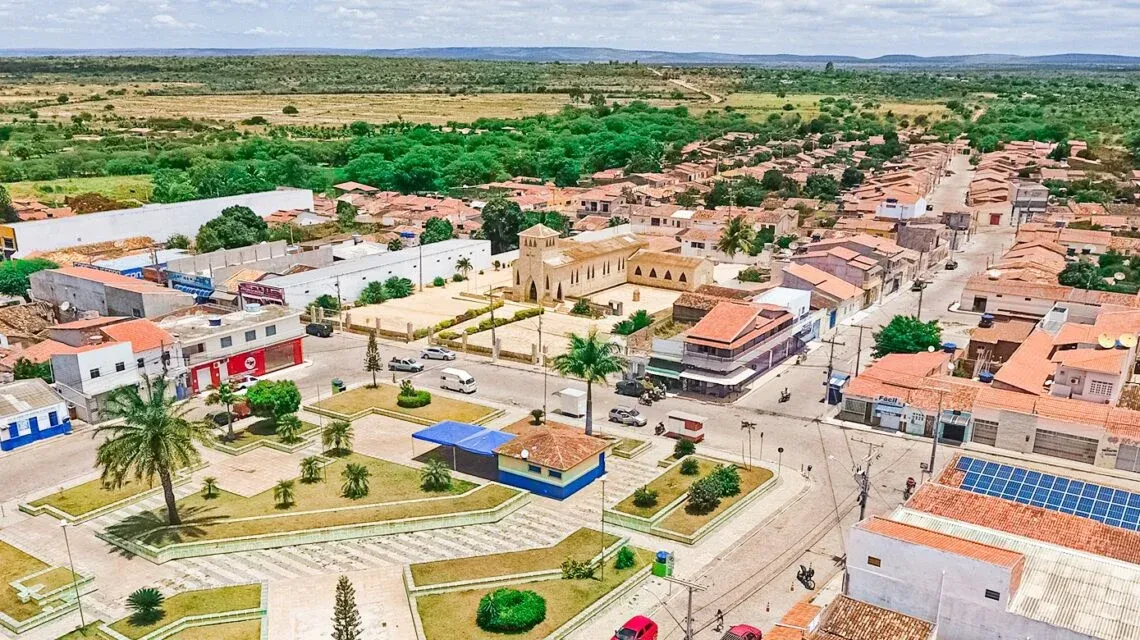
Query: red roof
(941,541)
(725,322)
(143,334)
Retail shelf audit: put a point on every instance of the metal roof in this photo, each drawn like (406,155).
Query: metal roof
(26,395)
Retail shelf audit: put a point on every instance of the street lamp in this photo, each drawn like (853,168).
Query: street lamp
(780,461)
(603,553)
(74,577)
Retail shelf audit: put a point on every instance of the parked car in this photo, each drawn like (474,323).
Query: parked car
(626,415)
(951,265)
(319,329)
(438,353)
(242,382)
(742,632)
(632,388)
(637,628)
(405,364)
(918,285)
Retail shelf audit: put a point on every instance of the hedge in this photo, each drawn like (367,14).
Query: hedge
(419,399)
(451,322)
(510,611)
(486,323)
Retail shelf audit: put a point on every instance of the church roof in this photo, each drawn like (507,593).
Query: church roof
(539,231)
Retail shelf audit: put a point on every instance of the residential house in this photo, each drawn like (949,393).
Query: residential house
(74,290)
(841,298)
(30,411)
(85,376)
(849,266)
(556,461)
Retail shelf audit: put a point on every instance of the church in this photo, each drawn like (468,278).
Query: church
(553,269)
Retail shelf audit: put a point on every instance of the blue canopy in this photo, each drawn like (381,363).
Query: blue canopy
(468,437)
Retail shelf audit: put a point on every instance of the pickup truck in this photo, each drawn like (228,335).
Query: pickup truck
(405,364)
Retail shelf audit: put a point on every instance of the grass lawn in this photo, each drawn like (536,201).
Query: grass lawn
(384,397)
(684,522)
(669,486)
(262,430)
(54,579)
(16,564)
(447,616)
(92,495)
(581,545)
(244,630)
(192,603)
(628,444)
(130,189)
(90,632)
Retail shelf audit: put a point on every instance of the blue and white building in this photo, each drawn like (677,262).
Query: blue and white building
(30,411)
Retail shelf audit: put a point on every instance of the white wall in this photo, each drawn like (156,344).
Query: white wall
(159,221)
(74,369)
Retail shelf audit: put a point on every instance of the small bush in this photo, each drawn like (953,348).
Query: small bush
(447,335)
(438,282)
(690,466)
(536,416)
(510,611)
(725,480)
(644,497)
(289,110)
(581,307)
(625,558)
(577,570)
(703,497)
(146,606)
(683,448)
(414,401)
(458,278)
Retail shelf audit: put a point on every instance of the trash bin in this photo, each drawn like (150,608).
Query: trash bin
(663,564)
(337,385)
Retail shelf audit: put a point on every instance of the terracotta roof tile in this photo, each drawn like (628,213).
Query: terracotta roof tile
(1008,331)
(726,322)
(1098,360)
(143,334)
(850,619)
(941,541)
(555,447)
(1029,366)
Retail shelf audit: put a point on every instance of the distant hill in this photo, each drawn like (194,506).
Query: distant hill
(599,54)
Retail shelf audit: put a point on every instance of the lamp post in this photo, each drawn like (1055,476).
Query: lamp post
(603,553)
(780,461)
(74,577)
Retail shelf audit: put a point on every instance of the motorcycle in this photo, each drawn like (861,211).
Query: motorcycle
(659,430)
(909,490)
(645,399)
(805,575)
(785,395)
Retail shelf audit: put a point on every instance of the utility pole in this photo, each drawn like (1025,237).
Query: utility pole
(934,440)
(863,475)
(542,359)
(691,586)
(830,365)
(421,268)
(63,524)
(859,348)
(921,288)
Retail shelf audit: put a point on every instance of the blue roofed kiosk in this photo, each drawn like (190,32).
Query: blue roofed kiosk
(472,448)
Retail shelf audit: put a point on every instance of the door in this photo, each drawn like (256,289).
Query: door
(995,218)
(203,378)
(985,432)
(1128,459)
(1064,445)
(953,432)
(979,303)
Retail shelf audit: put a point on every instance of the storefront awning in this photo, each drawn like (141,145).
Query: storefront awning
(194,291)
(664,368)
(737,377)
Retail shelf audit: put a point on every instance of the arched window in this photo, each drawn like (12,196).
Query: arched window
(683,278)
(637,271)
(517,282)
(668,275)
(653,273)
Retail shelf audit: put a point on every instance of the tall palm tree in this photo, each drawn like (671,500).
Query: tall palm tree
(592,359)
(464,266)
(736,237)
(337,437)
(289,428)
(153,439)
(283,493)
(355,481)
(224,395)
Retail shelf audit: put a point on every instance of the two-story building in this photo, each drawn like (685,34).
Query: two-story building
(85,376)
(30,411)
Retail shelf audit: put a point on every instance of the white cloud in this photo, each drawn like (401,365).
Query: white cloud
(168,21)
(262,31)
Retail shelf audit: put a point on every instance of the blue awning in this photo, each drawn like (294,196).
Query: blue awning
(194,291)
(467,437)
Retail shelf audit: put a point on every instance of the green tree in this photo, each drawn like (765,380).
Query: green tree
(327,302)
(703,497)
(14,275)
(273,398)
(355,478)
(145,605)
(435,476)
(289,428)
(436,230)
(7,211)
(372,362)
(373,293)
(25,369)
(1083,275)
(178,241)
(396,287)
(209,487)
(284,492)
(151,438)
(346,618)
(821,186)
(345,215)
(310,469)
(906,334)
(736,236)
(763,237)
(395,244)
(625,559)
(501,219)
(224,395)
(337,437)
(851,178)
(773,179)
(463,266)
(237,226)
(592,359)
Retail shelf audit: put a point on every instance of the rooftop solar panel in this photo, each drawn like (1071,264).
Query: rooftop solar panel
(1112,506)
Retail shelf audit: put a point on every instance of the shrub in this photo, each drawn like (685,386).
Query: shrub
(578,570)
(289,110)
(458,278)
(209,487)
(523,314)
(406,388)
(750,274)
(510,611)
(415,401)
(683,448)
(145,605)
(644,497)
(581,307)
(690,466)
(536,416)
(625,558)
(703,497)
(438,282)
(435,476)
(447,335)
(725,480)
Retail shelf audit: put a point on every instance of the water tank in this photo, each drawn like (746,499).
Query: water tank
(986,377)
(215,321)
(949,347)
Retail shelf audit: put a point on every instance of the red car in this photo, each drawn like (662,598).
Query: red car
(637,628)
(743,632)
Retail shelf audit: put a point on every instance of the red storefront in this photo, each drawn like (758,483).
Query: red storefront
(256,362)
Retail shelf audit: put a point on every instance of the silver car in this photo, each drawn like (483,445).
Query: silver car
(438,353)
(626,415)
(405,364)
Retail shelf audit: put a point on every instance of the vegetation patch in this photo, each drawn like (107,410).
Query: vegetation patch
(15,564)
(385,397)
(510,611)
(668,487)
(194,603)
(582,545)
(263,431)
(94,494)
(687,522)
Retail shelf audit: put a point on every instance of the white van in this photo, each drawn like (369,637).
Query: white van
(457,380)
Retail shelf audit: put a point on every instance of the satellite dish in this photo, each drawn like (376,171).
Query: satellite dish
(1106,341)
(525,454)
(64,306)
(1127,340)
(930,348)
(993,274)
(1119,276)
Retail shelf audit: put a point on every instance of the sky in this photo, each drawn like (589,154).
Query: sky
(864,28)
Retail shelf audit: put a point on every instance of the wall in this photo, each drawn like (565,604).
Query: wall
(267,256)
(1005,303)
(27,432)
(159,221)
(515,472)
(123,302)
(55,287)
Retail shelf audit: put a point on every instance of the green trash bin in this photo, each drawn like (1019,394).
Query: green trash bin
(663,564)
(337,385)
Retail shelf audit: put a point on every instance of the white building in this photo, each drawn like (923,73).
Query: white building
(87,375)
(30,411)
(901,205)
(348,278)
(158,221)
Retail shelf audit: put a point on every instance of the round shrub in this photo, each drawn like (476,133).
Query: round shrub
(414,401)
(625,558)
(644,497)
(683,448)
(438,282)
(690,466)
(510,611)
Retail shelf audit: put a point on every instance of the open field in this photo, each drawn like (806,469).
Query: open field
(759,105)
(452,615)
(53,192)
(384,397)
(195,603)
(582,545)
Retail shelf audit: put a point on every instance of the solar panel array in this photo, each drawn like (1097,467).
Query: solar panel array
(1111,506)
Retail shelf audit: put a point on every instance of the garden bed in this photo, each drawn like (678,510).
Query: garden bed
(15,564)
(92,499)
(582,545)
(446,616)
(32,592)
(243,630)
(681,521)
(629,447)
(358,402)
(669,486)
(263,433)
(196,604)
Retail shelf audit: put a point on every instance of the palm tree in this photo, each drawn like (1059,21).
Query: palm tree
(224,395)
(209,487)
(311,469)
(289,428)
(355,481)
(154,438)
(146,605)
(592,359)
(283,493)
(736,237)
(435,476)
(464,266)
(337,437)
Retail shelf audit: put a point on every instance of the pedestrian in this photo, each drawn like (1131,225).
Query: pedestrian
(719,621)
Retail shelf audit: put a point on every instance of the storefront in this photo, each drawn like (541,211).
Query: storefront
(256,362)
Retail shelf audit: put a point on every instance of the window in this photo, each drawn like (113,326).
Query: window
(534,468)
(137,313)
(251,335)
(94,373)
(554,474)
(993,595)
(271,330)
(874,562)
(120,366)
(637,271)
(1100,388)
(53,418)
(140,363)
(227,342)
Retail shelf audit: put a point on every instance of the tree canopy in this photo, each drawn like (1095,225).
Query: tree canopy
(436,230)
(906,334)
(14,275)
(237,226)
